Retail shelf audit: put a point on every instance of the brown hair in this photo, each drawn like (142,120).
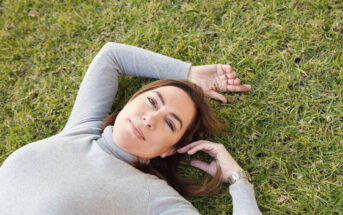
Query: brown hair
(205,122)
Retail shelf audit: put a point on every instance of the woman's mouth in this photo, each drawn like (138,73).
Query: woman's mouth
(137,131)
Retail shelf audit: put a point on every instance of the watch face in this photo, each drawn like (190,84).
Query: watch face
(235,176)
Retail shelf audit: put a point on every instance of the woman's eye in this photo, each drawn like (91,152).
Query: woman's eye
(152,101)
(170,124)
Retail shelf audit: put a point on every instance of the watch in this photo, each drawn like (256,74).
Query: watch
(238,175)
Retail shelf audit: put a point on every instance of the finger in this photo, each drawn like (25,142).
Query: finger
(215,95)
(201,165)
(227,68)
(189,146)
(236,81)
(231,75)
(239,88)
(221,82)
(205,147)
(196,149)
(209,168)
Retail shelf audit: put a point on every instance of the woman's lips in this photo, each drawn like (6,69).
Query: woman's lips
(137,131)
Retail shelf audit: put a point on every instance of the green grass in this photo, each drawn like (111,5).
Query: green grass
(287,131)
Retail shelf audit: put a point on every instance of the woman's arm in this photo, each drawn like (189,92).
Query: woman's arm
(164,200)
(242,192)
(243,198)
(99,86)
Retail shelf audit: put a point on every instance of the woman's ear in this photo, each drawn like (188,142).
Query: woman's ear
(169,152)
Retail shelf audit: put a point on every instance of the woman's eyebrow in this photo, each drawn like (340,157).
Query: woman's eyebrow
(172,114)
(160,96)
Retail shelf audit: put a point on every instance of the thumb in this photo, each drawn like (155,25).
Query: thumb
(201,165)
(215,95)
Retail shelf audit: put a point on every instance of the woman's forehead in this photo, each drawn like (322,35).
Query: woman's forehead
(177,100)
(172,93)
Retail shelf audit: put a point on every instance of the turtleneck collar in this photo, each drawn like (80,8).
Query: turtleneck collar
(106,143)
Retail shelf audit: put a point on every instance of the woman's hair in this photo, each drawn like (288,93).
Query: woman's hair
(205,122)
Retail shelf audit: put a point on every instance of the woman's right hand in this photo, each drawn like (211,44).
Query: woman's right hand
(221,157)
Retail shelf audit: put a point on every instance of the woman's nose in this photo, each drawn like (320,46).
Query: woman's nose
(150,119)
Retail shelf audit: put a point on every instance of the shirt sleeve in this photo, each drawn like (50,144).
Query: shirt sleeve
(99,86)
(164,200)
(243,199)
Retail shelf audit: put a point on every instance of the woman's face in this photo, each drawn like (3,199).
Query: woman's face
(150,124)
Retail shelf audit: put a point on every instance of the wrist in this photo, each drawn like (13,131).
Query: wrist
(190,72)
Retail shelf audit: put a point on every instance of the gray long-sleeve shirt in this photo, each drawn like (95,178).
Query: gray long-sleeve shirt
(81,170)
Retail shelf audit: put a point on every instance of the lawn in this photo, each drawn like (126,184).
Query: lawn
(287,132)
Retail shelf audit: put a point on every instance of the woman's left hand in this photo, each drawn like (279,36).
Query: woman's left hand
(221,157)
(216,77)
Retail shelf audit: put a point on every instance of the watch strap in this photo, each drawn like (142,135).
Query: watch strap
(238,175)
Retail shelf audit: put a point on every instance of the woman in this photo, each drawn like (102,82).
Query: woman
(83,170)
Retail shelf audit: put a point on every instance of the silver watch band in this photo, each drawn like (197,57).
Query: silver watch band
(238,175)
